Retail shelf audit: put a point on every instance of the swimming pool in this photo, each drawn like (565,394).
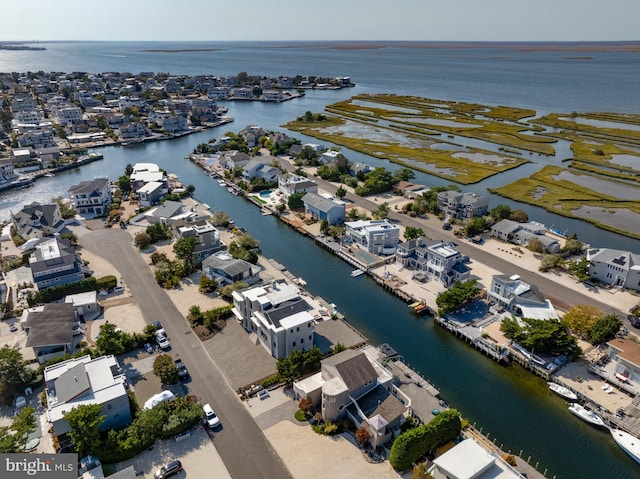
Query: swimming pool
(265,193)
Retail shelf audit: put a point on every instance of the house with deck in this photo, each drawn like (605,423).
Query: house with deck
(520,298)
(91,198)
(615,267)
(53,330)
(522,233)
(462,205)
(322,208)
(55,262)
(433,260)
(225,269)
(376,236)
(38,220)
(290,183)
(353,385)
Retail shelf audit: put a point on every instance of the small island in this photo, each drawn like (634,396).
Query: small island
(19,47)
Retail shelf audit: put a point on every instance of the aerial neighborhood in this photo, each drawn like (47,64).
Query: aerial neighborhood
(126,301)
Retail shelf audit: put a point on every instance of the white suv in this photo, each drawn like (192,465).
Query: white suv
(210,417)
(162,341)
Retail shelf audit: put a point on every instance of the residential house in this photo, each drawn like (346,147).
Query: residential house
(520,298)
(132,131)
(86,381)
(218,93)
(434,260)
(206,235)
(522,233)
(175,124)
(225,269)
(86,304)
(234,159)
(410,190)
(290,183)
(376,236)
(55,262)
(329,157)
(51,329)
(37,220)
(352,384)
(168,212)
(615,267)
(242,93)
(625,356)
(68,114)
(256,169)
(7,173)
(151,193)
(278,316)
(462,205)
(144,173)
(273,95)
(359,169)
(322,208)
(91,198)
(469,460)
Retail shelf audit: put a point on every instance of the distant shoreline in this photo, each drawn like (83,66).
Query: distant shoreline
(181,50)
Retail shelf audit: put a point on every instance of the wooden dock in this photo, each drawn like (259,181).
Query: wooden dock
(496,353)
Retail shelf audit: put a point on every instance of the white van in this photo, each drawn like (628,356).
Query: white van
(210,417)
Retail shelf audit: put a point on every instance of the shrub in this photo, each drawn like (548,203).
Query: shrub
(305,405)
(301,415)
(362,436)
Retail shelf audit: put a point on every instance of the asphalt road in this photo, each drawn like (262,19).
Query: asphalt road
(558,294)
(245,450)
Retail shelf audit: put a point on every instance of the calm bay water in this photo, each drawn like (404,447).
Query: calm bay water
(510,403)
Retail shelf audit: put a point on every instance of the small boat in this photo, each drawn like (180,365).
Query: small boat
(415,305)
(629,444)
(222,183)
(49,175)
(230,190)
(563,391)
(586,415)
(356,272)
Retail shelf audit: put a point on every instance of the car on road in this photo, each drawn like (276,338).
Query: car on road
(169,469)
(183,373)
(210,417)
(634,320)
(446,226)
(162,341)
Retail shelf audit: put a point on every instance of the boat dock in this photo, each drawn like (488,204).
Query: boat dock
(473,337)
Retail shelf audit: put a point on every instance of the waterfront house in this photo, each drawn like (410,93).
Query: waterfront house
(615,267)
(410,190)
(7,172)
(322,208)
(38,220)
(462,205)
(206,235)
(86,381)
(278,317)
(175,124)
(51,329)
(434,260)
(522,233)
(91,198)
(329,157)
(257,169)
(55,262)
(352,384)
(359,169)
(234,159)
(290,183)
(225,269)
(625,356)
(469,460)
(144,173)
(168,212)
(132,131)
(520,298)
(376,236)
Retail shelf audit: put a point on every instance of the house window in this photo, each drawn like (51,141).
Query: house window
(294,344)
(302,341)
(341,407)
(109,407)
(309,337)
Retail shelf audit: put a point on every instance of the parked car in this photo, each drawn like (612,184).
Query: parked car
(634,320)
(159,398)
(174,467)
(183,373)
(162,341)
(446,226)
(148,348)
(159,328)
(210,416)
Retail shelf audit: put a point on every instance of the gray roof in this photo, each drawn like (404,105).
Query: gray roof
(318,202)
(622,259)
(354,368)
(128,473)
(167,209)
(232,267)
(51,326)
(286,309)
(67,257)
(91,187)
(72,383)
(506,226)
(43,212)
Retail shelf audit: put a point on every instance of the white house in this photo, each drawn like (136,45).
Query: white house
(615,267)
(520,298)
(376,236)
(277,315)
(91,198)
(289,183)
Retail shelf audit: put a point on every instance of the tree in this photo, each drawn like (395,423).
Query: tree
(519,216)
(85,421)
(14,373)
(411,232)
(12,437)
(382,211)
(220,218)
(604,329)
(184,248)
(207,285)
(124,184)
(403,174)
(142,240)
(362,436)
(191,189)
(295,201)
(324,226)
(581,318)
(500,212)
(580,268)
(546,336)
(341,193)
(111,339)
(165,369)
(227,291)
(572,246)
(476,226)
(550,261)
(535,245)
(457,294)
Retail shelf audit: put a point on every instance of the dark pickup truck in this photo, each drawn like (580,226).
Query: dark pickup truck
(183,373)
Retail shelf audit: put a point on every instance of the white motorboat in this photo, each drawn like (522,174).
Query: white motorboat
(563,391)
(356,272)
(629,444)
(586,415)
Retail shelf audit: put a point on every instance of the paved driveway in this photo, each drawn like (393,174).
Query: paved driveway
(245,450)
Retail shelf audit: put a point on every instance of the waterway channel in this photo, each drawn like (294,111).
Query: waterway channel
(507,402)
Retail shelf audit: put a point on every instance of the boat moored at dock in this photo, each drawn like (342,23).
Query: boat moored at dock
(563,391)
(586,415)
(628,443)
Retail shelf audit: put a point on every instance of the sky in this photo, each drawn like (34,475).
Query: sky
(305,20)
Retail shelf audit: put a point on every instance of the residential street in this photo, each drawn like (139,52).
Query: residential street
(242,445)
